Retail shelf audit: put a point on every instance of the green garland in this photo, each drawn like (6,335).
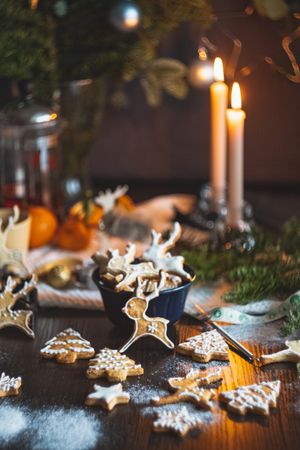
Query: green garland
(271,269)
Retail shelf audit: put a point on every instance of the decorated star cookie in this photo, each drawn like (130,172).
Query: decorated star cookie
(257,398)
(144,325)
(180,421)
(205,347)
(107,397)
(9,385)
(19,318)
(112,365)
(67,347)
(187,389)
(290,354)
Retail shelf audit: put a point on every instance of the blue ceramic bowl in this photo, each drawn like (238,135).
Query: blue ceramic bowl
(169,304)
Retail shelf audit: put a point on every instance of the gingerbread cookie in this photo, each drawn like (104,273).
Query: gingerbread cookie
(180,421)
(158,254)
(123,269)
(67,347)
(187,389)
(112,365)
(19,318)
(144,325)
(107,397)
(257,398)
(9,385)
(290,354)
(108,199)
(205,347)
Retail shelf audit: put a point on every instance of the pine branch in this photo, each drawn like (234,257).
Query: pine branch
(292,322)
(272,269)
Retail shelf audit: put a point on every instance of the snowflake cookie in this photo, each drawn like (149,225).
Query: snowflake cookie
(66,347)
(107,397)
(112,365)
(9,385)
(257,398)
(205,347)
(180,421)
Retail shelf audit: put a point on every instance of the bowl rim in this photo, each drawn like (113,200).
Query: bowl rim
(100,283)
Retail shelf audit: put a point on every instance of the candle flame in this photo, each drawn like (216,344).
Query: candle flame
(218,70)
(236,99)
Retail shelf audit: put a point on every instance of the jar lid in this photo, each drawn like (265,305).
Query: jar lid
(26,113)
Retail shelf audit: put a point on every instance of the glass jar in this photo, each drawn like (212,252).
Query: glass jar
(29,154)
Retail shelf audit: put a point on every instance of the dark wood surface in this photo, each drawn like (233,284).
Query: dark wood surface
(46,383)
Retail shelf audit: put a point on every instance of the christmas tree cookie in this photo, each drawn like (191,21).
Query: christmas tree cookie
(9,385)
(67,347)
(257,398)
(205,347)
(112,365)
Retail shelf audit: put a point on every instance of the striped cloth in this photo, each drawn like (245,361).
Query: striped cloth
(158,213)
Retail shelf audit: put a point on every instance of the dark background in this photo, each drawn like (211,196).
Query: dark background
(170,144)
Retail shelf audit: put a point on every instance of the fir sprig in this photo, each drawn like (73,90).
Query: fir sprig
(271,269)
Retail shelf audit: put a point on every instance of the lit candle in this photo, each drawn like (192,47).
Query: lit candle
(218,101)
(235,122)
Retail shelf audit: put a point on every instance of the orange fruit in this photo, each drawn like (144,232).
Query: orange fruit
(125,202)
(73,234)
(93,217)
(43,226)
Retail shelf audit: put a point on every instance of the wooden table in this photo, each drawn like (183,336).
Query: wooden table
(46,383)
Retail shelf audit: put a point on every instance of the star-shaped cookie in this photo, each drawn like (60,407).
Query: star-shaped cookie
(187,389)
(205,347)
(107,397)
(257,398)
(112,365)
(9,385)
(180,421)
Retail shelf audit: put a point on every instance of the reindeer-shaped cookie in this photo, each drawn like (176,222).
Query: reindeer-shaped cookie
(15,318)
(158,254)
(107,199)
(121,267)
(144,325)
(11,259)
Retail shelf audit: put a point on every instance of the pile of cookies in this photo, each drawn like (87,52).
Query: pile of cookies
(121,272)
(195,387)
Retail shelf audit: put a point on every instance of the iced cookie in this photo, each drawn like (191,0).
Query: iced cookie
(188,388)
(112,365)
(205,347)
(180,421)
(290,354)
(257,398)
(136,308)
(67,347)
(20,318)
(159,254)
(107,397)
(9,385)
